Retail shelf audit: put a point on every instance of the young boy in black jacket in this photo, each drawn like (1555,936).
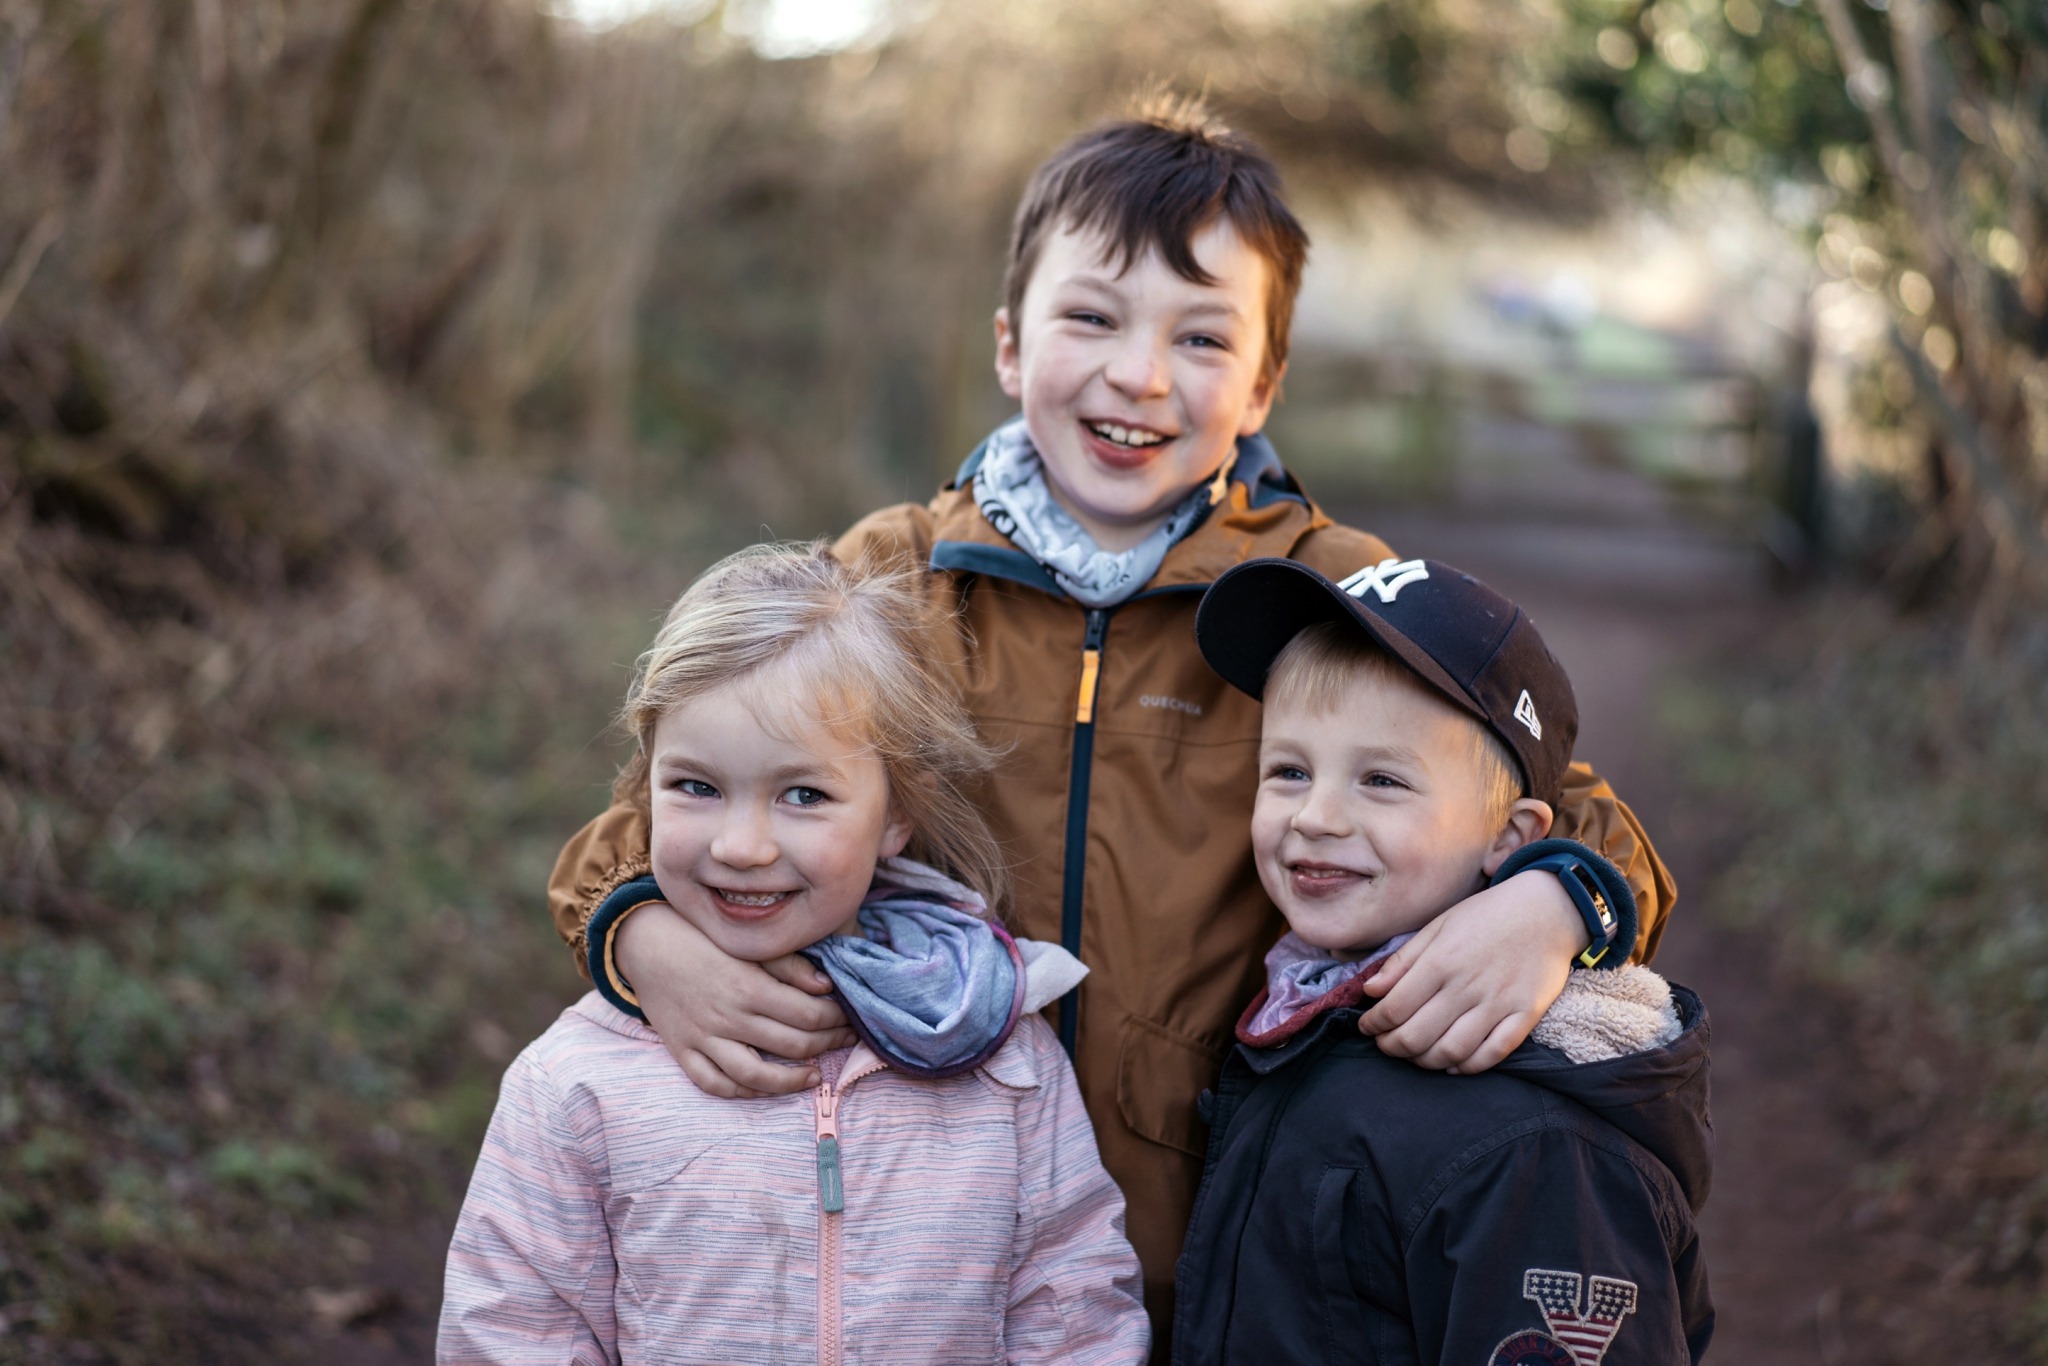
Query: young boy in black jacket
(1355,1207)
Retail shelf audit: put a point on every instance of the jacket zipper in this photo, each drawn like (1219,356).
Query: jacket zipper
(832,1199)
(1075,872)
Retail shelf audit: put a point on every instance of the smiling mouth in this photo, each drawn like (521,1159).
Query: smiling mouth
(1317,878)
(749,902)
(1131,438)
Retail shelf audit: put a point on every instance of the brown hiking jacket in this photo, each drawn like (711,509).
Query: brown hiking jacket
(1125,800)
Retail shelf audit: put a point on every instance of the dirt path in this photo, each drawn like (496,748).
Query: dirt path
(1822,1247)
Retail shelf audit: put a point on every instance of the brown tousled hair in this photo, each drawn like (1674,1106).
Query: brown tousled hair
(1151,182)
(853,638)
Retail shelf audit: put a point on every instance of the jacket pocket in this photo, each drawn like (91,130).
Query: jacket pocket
(1159,1076)
(1344,1324)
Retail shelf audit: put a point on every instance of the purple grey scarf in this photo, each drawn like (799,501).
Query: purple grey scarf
(1299,978)
(931,984)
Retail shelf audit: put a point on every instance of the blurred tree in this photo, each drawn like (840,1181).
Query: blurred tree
(1921,128)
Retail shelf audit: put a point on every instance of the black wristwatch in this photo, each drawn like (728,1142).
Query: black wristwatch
(1597,890)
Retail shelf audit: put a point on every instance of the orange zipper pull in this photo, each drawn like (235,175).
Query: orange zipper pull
(1091,669)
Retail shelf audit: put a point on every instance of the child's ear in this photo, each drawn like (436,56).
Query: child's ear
(895,835)
(1009,368)
(1264,393)
(1528,821)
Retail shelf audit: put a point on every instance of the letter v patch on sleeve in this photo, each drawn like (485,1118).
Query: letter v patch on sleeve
(1577,1337)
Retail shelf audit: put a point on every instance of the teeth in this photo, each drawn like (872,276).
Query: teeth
(1125,436)
(753,898)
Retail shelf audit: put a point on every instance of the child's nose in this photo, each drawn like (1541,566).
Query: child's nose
(1323,813)
(744,840)
(1138,369)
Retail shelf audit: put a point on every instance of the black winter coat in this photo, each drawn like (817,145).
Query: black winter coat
(1357,1208)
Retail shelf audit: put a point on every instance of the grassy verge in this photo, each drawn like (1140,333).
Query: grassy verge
(257,988)
(277,1013)
(1899,784)
(1890,789)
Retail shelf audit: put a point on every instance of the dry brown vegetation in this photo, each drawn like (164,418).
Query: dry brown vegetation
(370,373)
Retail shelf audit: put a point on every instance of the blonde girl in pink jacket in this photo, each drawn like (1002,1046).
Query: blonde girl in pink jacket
(936,1196)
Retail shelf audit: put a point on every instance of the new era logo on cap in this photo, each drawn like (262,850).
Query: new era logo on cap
(1473,646)
(1387,578)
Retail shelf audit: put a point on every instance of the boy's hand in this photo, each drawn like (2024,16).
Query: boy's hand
(1467,989)
(718,1014)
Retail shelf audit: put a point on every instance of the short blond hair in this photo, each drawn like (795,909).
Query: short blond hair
(854,639)
(1322,662)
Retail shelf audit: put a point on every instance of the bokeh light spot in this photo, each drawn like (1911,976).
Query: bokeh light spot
(1616,48)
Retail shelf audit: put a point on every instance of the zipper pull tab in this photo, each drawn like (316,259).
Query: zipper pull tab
(1091,666)
(830,1193)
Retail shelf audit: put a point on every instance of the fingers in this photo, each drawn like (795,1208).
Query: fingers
(773,1036)
(767,1000)
(1455,1048)
(1505,1038)
(795,970)
(717,1014)
(707,1076)
(1388,975)
(1423,981)
(751,1073)
(1425,1028)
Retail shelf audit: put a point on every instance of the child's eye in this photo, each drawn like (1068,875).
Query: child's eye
(1205,340)
(805,796)
(1383,780)
(1287,773)
(1082,315)
(695,787)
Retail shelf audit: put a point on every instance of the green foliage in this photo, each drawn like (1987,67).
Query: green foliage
(284,1175)
(289,1007)
(1908,141)
(1892,803)
(1751,84)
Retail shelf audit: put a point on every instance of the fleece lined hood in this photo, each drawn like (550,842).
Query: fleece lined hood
(1658,1096)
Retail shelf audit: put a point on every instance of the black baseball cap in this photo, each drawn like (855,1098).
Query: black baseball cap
(1468,642)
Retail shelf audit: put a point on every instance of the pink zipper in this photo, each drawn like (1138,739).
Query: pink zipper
(832,1198)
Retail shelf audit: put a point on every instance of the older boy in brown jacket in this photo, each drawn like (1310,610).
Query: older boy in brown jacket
(1153,271)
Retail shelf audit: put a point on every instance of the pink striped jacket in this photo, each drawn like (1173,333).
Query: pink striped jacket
(619,1214)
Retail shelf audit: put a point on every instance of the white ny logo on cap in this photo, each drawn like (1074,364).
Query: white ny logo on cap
(1387,578)
(1525,712)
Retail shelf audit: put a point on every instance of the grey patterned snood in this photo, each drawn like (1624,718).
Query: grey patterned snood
(1011,490)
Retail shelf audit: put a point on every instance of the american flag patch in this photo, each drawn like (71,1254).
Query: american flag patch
(1578,1336)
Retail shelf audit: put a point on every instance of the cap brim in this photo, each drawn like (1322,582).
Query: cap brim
(1247,618)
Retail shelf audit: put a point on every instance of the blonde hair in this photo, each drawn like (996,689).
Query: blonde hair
(854,639)
(1321,663)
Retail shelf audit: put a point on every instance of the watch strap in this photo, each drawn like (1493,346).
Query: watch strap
(1598,891)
